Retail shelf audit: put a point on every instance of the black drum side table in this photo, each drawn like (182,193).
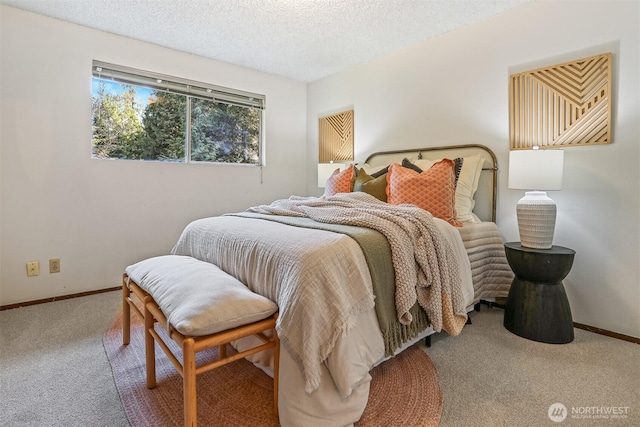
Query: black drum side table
(537,307)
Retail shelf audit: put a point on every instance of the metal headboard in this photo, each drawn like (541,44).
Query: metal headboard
(485,197)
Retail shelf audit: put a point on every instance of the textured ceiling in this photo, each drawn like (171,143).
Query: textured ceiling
(299,39)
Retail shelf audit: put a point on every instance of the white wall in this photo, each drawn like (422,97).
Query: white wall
(98,216)
(454,89)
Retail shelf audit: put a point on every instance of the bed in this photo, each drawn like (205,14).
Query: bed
(352,289)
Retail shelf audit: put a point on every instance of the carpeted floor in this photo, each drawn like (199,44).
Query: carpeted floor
(225,393)
(491,377)
(53,368)
(54,372)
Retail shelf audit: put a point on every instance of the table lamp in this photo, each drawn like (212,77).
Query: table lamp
(541,171)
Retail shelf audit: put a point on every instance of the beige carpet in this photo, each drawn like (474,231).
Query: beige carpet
(239,394)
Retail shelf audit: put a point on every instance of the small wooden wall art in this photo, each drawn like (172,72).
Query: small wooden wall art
(562,105)
(336,137)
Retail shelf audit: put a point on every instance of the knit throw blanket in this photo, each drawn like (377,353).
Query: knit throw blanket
(424,262)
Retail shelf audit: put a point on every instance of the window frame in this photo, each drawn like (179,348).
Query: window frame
(190,89)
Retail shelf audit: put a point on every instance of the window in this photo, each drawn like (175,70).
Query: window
(140,115)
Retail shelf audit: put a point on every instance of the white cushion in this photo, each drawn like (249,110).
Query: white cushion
(425,164)
(467,185)
(196,296)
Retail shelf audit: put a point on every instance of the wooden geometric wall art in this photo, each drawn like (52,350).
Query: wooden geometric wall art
(336,137)
(564,105)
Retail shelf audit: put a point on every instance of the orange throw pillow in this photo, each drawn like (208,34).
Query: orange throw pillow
(339,182)
(433,190)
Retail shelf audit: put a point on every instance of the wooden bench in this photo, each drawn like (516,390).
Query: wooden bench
(201,307)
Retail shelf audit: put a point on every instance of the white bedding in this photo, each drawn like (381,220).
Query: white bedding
(353,357)
(490,270)
(343,388)
(486,274)
(302,270)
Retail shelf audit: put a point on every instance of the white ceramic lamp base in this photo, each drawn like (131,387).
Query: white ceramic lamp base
(536,220)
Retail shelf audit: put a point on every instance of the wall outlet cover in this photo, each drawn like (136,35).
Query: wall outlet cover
(54,265)
(33,268)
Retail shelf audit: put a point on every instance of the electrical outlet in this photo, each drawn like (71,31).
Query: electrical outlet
(54,265)
(33,268)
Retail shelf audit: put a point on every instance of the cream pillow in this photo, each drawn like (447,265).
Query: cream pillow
(425,164)
(467,186)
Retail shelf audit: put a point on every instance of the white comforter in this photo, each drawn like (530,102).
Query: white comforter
(341,383)
(304,271)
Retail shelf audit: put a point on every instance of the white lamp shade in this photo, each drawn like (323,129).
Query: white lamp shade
(536,169)
(325,170)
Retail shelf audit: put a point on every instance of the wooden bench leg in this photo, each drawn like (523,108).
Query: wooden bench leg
(276,370)
(149,345)
(152,313)
(126,312)
(189,383)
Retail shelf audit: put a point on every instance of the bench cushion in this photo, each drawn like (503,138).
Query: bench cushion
(197,297)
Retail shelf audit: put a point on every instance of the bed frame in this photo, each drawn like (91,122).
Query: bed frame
(486,195)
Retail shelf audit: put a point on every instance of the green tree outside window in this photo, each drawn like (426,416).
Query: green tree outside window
(140,123)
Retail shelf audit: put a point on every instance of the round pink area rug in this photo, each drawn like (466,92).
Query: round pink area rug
(404,390)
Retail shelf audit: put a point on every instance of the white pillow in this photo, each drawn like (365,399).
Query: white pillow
(467,185)
(425,164)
